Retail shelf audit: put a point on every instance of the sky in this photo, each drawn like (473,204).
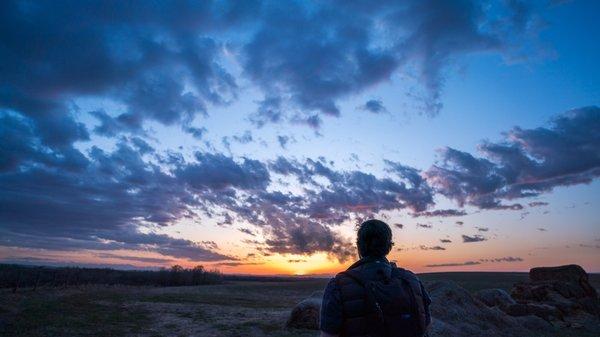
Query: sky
(253,137)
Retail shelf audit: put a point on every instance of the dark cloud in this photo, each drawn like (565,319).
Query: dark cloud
(105,198)
(150,58)
(166,62)
(422,225)
(399,225)
(284,140)
(355,192)
(374,106)
(312,56)
(99,204)
(583,245)
(527,163)
(218,172)
(109,126)
(542,229)
(482,229)
(474,238)
(237,264)
(441,213)
(445,240)
(197,133)
(296,261)
(467,263)
(423,247)
(141,145)
(144,259)
(307,239)
(34,261)
(227,220)
(460,223)
(270,110)
(247,231)
(289,57)
(503,259)
(508,259)
(244,138)
(538,204)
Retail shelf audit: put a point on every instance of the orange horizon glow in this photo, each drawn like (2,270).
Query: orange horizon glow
(316,265)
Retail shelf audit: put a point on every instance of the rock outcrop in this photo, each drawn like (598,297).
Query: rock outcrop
(305,314)
(561,295)
(495,298)
(566,289)
(457,313)
(553,300)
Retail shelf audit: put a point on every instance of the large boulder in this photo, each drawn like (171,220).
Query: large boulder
(569,273)
(494,298)
(572,278)
(305,314)
(566,288)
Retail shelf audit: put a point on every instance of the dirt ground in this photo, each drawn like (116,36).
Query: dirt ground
(230,309)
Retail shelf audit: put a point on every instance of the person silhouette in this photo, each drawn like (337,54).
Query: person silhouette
(374,297)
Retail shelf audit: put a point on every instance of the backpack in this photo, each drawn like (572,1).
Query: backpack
(395,305)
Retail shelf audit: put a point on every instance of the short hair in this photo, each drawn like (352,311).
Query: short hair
(374,239)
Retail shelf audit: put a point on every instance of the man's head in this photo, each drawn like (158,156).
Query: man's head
(374,239)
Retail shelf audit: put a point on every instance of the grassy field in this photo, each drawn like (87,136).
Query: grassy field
(231,309)
(238,308)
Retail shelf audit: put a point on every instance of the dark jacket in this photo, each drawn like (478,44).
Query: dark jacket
(343,306)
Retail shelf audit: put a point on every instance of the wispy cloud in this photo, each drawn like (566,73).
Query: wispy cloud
(454,264)
(473,238)
(423,247)
(374,106)
(508,259)
(441,213)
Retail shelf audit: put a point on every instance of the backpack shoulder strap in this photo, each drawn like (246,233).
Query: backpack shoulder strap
(355,276)
(417,293)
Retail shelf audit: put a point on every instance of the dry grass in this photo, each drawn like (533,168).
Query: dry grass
(231,309)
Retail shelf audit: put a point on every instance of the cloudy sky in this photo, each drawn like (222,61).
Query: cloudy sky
(252,136)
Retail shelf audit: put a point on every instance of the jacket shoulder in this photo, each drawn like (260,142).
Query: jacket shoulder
(405,274)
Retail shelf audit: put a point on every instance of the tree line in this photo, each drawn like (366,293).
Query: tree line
(20,276)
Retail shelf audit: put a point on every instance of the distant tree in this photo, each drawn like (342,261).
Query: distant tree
(18,277)
(176,275)
(198,275)
(177,269)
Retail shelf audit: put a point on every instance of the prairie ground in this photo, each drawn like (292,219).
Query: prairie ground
(230,309)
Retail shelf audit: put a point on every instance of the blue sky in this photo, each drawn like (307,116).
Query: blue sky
(179,117)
